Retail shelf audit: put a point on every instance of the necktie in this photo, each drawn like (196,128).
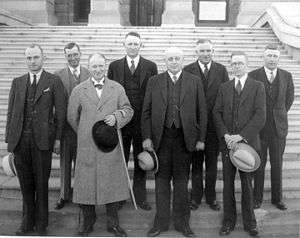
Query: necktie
(132,67)
(271,79)
(33,84)
(205,71)
(75,74)
(238,87)
(174,79)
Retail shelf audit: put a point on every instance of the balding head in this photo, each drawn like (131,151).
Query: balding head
(174,59)
(97,66)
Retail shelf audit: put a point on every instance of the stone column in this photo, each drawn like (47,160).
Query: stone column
(104,12)
(178,12)
(40,12)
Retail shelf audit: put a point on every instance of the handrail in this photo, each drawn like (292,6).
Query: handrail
(13,17)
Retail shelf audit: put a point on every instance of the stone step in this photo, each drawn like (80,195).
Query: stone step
(9,188)
(204,222)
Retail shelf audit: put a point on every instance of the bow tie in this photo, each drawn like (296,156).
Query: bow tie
(98,85)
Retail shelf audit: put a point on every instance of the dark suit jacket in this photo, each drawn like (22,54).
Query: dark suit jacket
(67,77)
(284,101)
(116,71)
(251,111)
(192,109)
(47,122)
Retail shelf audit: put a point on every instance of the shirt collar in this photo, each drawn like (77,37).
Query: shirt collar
(96,82)
(73,69)
(268,72)
(242,80)
(177,75)
(203,67)
(38,76)
(136,60)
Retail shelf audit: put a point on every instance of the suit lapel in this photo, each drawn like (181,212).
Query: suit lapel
(43,83)
(23,88)
(246,90)
(281,86)
(263,77)
(120,70)
(183,89)
(91,92)
(143,72)
(84,74)
(106,93)
(212,74)
(230,92)
(164,87)
(196,69)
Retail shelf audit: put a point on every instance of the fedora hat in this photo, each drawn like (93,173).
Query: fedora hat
(8,165)
(148,160)
(244,157)
(105,136)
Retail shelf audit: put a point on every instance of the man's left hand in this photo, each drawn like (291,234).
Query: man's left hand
(56,148)
(200,146)
(234,139)
(110,120)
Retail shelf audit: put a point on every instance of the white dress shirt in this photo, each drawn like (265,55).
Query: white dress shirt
(268,73)
(77,70)
(203,67)
(98,91)
(136,61)
(242,80)
(172,75)
(38,75)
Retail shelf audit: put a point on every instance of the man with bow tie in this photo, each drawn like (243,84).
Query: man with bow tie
(72,75)
(35,120)
(133,72)
(212,75)
(239,114)
(100,177)
(279,97)
(174,123)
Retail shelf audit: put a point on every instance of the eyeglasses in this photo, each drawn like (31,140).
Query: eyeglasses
(237,63)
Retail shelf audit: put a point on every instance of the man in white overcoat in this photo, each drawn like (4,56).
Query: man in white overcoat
(100,178)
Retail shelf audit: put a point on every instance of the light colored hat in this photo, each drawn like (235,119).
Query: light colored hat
(244,157)
(8,165)
(148,161)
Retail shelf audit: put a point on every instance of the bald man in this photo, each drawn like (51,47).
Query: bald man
(174,125)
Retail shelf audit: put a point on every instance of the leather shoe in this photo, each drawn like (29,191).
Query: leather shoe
(144,205)
(86,230)
(280,205)
(60,204)
(256,205)
(225,230)
(155,231)
(214,206)
(117,231)
(22,231)
(194,205)
(252,232)
(185,231)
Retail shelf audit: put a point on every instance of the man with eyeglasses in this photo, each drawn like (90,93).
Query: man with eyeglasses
(174,123)
(212,75)
(72,75)
(279,97)
(239,114)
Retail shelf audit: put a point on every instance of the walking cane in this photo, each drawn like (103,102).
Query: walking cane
(124,163)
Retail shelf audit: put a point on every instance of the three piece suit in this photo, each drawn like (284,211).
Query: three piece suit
(35,119)
(242,114)
(279,99)
(217,75)
(69,137)
(174,118)
(135,87)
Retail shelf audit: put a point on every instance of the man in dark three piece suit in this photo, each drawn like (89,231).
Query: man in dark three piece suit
(35,120)
(70,76)
(174,124)
(212,75)
(279,98)
(133,72)
(239,114)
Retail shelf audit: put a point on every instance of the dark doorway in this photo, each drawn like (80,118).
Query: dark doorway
(81,11)
(146,12)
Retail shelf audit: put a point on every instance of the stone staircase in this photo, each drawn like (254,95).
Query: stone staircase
(108,40)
